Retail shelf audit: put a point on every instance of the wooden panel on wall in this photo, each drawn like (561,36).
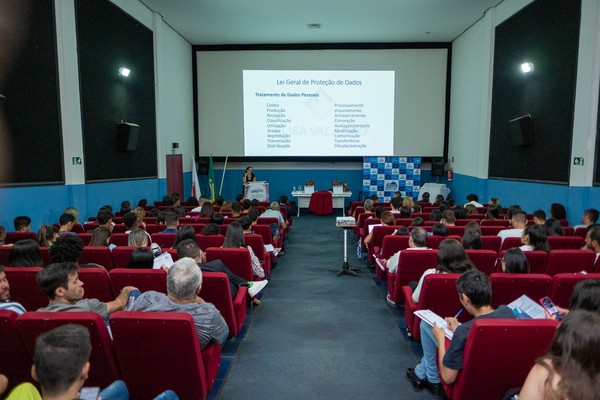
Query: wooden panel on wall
(545,33)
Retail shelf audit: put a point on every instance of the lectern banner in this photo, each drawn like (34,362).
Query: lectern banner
(257,190)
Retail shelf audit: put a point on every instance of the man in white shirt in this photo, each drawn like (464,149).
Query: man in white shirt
(518,221)
(5,303)
(474,199)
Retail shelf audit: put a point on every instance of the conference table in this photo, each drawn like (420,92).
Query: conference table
(338,200)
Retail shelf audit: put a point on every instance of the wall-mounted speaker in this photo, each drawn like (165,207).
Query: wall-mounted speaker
(437,166)
(203,165)
(127,136)
(521,131)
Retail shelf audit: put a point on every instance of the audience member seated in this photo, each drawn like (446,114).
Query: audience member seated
(515,262)
(554,227)
(417,208)
(425,197)
(192,202)
(494,202)
(234,238)
(571,368)
(473,199)
(417,221)
(439,198)
(586,296)
(368,206)
(253,215)
(471,240)
(246,224)
(435,215)
(448,218)
(475,294)
(217,218)
(125,207)
(172,222)
(66,222)
(492,213)
(5,303)
(511,210)
(539,217)
(592,240)
(387,219)
(161,218)
(518,221)
(395,204)
(201,202)
(25,253)
(101,237)
(105,219)
(141,214)
(179,211)
(211,229)
(138,238)
(471,209)
(141,258)
(460,213)
(142,203)
(589,217)
(378,211)
(409,203)
(439,230)
(534,238)
(558,211)
(405,212)
(274,211)
(185,232)
(60,282)
(451,259)
(22,224)
(184,282)
(402,230)
(47,235)
(207,210)
(236,210)
(67,249)
(189,248)
(226,207)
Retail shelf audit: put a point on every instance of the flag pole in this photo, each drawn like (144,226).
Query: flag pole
(223,177)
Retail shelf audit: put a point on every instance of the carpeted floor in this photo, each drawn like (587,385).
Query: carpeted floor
(317,335)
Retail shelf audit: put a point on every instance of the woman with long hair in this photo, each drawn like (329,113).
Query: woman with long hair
(141,214)
(234,238)
(47,235)
(101,237)
(25,253)
(534,238)
(137,238)
(571,368)
(554,227)
(207,210)
(558,211)
(141,257)
(451,259)
(515,262)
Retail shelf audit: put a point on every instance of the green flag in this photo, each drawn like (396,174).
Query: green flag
(211,178)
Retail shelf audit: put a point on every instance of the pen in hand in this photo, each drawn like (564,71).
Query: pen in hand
(458,313)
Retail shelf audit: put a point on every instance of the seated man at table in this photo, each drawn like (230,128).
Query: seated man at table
(475,294)
(184,282)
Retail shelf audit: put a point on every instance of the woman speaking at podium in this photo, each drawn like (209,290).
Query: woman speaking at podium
(248,177)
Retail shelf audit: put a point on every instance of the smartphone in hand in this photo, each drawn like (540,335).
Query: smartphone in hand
(550,307)
(89,393)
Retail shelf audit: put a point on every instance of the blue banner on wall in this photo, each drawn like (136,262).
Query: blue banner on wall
(385,175)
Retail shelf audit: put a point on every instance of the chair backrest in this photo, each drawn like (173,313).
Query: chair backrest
(168,357)
(491,242)
(206,241)
(565,242)
(403,221)
(433,241)
(104,367)
(156,228)
(143,279)
(491,230)
(164,240)
(85,238)
(569,231)
(238,260)
(536,258)
(440,296)
(119,239)
(509,287)
(561,289)
(573,261)
(495,222)
(15,362)
(97,255)
(456,230)
(255,241)
(215,290)
(511,242)
(580,232)
(121,256)
(5,254)
(412,264)
(264,231)
(484,260)
(24,288)
(393,244)
(498,355)
(267,220)
(96,283)
(14,237)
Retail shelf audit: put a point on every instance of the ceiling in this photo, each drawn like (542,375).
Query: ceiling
(209,22)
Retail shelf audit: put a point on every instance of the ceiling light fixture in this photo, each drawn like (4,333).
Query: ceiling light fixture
(124,72)
(527,67)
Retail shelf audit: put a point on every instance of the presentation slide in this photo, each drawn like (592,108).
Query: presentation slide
(318,113)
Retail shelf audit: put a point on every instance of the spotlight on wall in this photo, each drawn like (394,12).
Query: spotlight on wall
(527,67)
(124,72)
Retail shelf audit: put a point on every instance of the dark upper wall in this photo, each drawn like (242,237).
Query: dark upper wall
(546,33)
(30,132)
(108,39)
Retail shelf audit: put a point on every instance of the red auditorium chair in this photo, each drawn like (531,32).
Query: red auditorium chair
(265,232)
(508,287)
(143,279)
(206,241)
(439,295)
(164,240)
(565,242)
(97,255)
(498,356)
(411,266)
(168,358)
(258,247)
(85,238)
(378,234)
(484,260)
(45,252)
(491,243)
(456,230)
(119,228)
(155,228)
(433,241)
(569,231)
(360,221)
(15,362)
(511,242)
(573,261)
(272,220)
(580,232)
(14,237)
(491,230)
(495,222)
(104,368)
(121,255)
(536,259)
(119,239)
(562,287)
(5,254)
(216,290)
(237,260)
(391,245)
(364,231)
(96,284)
(24,288)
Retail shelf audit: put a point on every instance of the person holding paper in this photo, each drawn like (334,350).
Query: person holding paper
(475,294)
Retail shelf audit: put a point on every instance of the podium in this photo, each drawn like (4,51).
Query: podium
(257,190)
